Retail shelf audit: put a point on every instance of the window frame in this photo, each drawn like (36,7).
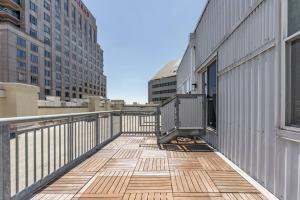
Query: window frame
(286,131)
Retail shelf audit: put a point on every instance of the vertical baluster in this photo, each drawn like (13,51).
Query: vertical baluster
(34,156)
(48,150)
(26,159)
(17,161)
(65,135)
(42,153)
(59,148)
(54,150)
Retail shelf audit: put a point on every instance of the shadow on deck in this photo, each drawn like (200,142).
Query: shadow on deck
(136,168)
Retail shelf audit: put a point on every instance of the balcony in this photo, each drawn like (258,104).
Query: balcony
(11,4)
(9,15)
(117,155)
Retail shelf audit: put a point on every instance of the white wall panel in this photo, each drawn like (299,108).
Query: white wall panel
(243,34)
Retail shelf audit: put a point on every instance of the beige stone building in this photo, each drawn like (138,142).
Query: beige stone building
(163,85)
(53,45)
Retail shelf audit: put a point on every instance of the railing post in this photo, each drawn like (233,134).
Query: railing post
(121,123)
(70,133)
(157,116)
(97,132)
(4,162)
(111,125)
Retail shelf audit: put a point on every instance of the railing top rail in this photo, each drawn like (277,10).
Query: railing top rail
(181,96)
(4,121)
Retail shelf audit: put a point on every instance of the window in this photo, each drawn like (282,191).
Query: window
(46,29)
(47,41)
(34,69)
(47,73)
(33,6)
(46,17)
(46,5)
(293,66)
(47,83)
(21,54)
(66,8)
(47,54)
(34,48)
(33,19)
(33,33)
(47,63)
(58,76)
(58,93)
(293,16)
(34,58)
(21,42)
(209,79)
(21,77)
(47,92)
(34,80)
(21,66)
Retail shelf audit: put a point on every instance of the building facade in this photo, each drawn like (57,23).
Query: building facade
(244,55)
(51,44)
(163,85)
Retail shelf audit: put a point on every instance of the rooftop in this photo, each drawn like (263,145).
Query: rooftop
(168,70)
(133,167)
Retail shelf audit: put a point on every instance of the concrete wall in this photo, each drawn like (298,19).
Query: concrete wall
(18,100)
(245,39)
(61,110)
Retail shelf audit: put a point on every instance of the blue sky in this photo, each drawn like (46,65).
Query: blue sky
(138,37)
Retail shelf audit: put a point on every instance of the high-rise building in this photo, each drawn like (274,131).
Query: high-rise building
(51,44)
(163,85)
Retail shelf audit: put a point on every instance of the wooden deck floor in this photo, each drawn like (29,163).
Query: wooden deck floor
(134,168)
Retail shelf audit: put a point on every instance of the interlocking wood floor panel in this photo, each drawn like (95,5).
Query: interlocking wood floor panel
(148,196)
(53,197)
(128,153)
(91,165)
(107,183)
(152,164)
(192,181)
(70,183)
(230,182)
(243,196)
(153,154)
(184,163)
(149,184)
(214,164)
(133,167)
(197,196)
(120,164)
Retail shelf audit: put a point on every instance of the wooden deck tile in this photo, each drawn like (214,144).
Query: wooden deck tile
(152,164)
(214,164)
(153,154)
(91,165)
(70,183)
(148,196)
(192,181)
(133,168)
(53,197)
(107,183)
(243,196)
(149,184)
(184,163)
(197,196)
(231,182)
(120,164)
(128,154)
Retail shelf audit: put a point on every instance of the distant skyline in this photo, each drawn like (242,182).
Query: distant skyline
(140,36)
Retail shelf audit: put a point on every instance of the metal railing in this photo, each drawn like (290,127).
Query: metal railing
(36,150)
(184,112)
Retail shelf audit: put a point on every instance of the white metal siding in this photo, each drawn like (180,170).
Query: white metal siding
(184,73)
(243,33)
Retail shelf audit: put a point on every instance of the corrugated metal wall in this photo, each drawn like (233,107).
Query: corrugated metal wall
(184,72)
(244,36)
